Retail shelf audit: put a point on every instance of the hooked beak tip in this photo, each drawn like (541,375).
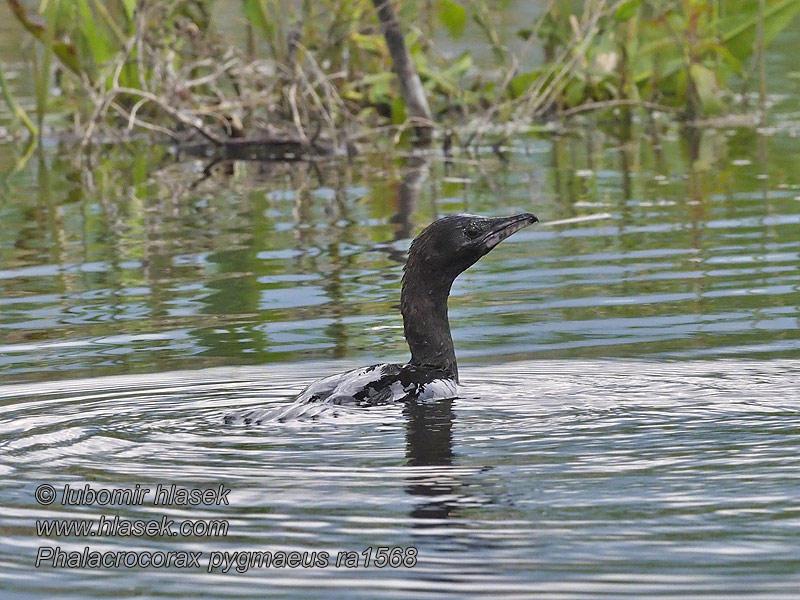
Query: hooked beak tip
(509,227)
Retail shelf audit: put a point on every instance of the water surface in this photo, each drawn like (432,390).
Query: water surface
(629,422)
(545,478)
(304,262)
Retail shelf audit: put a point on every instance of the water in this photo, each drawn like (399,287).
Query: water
(668,469)
(304,263)
(629,420)
(545,478)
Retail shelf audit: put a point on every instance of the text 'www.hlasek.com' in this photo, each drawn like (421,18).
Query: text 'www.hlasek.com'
(165,527)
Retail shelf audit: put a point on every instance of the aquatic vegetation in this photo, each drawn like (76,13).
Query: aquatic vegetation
(16,110)
(324,76)
(682,54)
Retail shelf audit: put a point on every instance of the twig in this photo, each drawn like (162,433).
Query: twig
(292,98)
(613,103)
(144,124)
(194,123)
(512,72)
(549,92)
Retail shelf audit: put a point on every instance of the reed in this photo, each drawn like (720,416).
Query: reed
(323,71)
(16,110)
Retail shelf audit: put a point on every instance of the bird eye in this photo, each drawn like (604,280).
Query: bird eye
(472,230)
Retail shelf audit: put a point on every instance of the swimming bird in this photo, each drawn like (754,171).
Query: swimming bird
(444,250)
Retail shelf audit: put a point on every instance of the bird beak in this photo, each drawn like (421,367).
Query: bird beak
(504,227)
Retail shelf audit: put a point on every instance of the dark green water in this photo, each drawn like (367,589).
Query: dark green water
(629,421)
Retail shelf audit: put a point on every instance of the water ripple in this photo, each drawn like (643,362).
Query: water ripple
(554,477)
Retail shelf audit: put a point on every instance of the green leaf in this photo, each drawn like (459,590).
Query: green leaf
(729,58)
(256,13)
(377,87)
(370,42)
(130,8)
(575,93)
(399,115)
(98,44)
(453,16)
(626,10)
(520,84)
(708,90)
(525,33)
(458,67)
(15,108)
(739,29)
(432,79)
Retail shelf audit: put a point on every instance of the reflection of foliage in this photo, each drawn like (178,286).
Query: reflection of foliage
(290,262)
(312,68)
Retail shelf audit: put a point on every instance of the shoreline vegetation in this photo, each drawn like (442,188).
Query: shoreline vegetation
(334,77)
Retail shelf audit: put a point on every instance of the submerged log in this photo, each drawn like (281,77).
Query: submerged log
(261,149)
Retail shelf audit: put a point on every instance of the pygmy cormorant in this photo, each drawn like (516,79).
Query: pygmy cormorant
(444,250)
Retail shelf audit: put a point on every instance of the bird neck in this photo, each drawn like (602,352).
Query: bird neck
(423,303)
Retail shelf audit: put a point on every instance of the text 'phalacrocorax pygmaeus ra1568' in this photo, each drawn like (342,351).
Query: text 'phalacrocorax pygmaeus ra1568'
(444,250)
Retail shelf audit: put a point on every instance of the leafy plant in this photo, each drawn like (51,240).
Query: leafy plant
(324,66)
(683,54)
